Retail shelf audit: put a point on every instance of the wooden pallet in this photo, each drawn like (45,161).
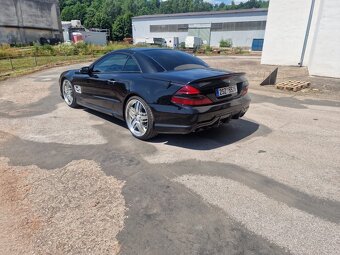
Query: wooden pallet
(293,85)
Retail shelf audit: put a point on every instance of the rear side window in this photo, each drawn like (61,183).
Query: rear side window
(172,60)
(131,66)
(111,63)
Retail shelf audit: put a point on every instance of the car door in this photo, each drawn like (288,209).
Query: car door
(102,84)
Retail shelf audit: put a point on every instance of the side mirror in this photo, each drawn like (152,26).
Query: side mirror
(85,70)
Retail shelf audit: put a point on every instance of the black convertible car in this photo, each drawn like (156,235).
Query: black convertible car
(157,91)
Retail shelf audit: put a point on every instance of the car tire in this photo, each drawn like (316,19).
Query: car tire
(139,118)
(68,93)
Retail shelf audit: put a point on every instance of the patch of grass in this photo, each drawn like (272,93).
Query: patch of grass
(239,50)
(26,65)
(114,46)
(16,61)
(60,50)
(207,49)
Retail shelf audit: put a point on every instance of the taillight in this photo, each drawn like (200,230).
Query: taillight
(187,90)
(188,95)
(244,91)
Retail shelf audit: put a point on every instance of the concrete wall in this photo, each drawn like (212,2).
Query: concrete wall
(286,30)
(141,27)
(25,21)
(324,57)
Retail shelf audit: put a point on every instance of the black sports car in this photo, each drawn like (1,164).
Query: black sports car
(157,91)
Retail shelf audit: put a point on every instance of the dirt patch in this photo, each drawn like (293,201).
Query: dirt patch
(20,93)
(76,209)
(17,222)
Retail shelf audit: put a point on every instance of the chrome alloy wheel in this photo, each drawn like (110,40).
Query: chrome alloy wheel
(68,92)
(136,117)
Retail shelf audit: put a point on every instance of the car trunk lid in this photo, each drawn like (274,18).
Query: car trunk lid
(208,81)
(185,76)
(220,88)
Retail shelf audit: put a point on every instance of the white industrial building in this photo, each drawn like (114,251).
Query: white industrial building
(304,33)
(242,27)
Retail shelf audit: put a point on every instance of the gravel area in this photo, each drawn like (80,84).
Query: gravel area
(288,227)
(76,209)
(63,125)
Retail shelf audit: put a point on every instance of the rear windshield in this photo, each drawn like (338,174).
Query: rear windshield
(172,60)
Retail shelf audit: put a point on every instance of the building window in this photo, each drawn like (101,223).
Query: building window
(239,26)
(154,28)
(226,26)
(216,26)
(169,28)
(182,27)
(172,28)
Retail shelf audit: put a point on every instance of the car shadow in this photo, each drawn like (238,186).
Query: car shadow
(106,117)
(209,139)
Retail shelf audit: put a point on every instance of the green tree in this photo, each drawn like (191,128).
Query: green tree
(77,11)
(122,27)
(67,13)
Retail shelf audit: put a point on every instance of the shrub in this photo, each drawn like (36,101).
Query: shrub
(226,43)
(81,48)
(182,45)
(7,51)
(5,46)
(116,46)
(238,50)
(208,49)
(43,50)
(65,49)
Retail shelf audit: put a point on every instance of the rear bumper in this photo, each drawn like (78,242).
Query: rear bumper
(173,119)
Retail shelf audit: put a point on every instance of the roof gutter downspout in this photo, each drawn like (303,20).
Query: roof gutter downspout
(307,33)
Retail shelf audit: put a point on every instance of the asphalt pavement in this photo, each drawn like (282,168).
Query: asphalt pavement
(80,183)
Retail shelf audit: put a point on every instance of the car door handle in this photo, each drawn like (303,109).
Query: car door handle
(111,82)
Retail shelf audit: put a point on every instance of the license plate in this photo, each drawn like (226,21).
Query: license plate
(220,92)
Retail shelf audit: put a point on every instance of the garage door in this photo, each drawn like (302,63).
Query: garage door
(203,33)
(257,45)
